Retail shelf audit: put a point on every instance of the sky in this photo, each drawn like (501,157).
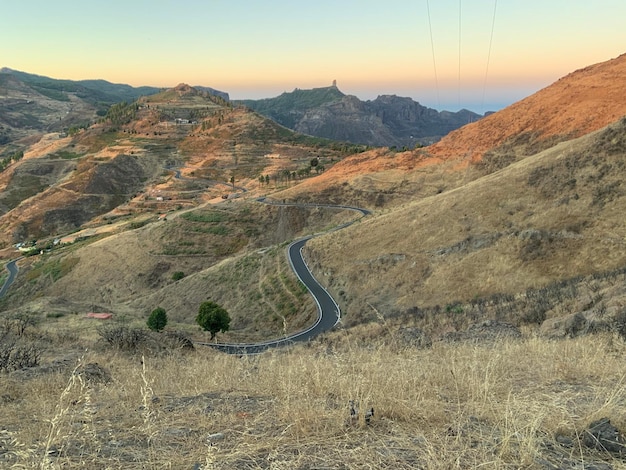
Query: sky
(480,55)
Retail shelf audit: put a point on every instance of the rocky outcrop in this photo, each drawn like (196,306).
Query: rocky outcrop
(575,324)
(413,337)
(411,122)
(346,120)
(602,435)
(388,120)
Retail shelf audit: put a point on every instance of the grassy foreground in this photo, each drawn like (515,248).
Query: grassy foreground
(511,404)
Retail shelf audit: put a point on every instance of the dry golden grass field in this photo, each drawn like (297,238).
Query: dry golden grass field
(510,403)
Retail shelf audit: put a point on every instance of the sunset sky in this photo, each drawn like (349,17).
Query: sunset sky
(254,49)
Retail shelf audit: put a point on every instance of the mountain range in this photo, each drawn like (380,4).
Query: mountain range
(32,104)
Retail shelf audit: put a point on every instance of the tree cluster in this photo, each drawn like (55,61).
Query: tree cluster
(14,157)
(122,113)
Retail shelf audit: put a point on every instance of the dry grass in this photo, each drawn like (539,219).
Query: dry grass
(452,406)
(503,233)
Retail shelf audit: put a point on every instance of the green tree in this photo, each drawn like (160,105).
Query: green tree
(213,318)
(157,319)
(178,275)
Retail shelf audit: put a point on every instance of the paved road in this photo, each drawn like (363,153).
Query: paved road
(12,268)
(329,313)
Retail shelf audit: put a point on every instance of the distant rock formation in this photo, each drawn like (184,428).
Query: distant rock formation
(388,121)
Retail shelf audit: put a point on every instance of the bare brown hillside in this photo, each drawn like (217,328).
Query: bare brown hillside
(581,102)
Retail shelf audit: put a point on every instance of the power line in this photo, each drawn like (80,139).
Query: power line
(432,47)
(460,50)
(459,54)
(493,24)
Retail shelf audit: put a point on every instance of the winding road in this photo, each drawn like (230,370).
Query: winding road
(12,268)
(329,313)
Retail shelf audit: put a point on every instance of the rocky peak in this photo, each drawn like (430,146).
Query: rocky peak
(184,89)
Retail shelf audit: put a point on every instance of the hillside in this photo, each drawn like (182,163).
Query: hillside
(92,91)
(483,301)
(387,121)
(124,163)
(31,105)
(171,156)
(581,102)
(504,233)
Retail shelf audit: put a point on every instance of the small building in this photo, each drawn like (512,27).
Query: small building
(100,316)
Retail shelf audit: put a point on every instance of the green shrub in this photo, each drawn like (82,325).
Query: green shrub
(157,319)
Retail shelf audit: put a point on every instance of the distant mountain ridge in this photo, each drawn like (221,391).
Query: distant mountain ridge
(389,120)
(96,89)
(34,104)
(93,91)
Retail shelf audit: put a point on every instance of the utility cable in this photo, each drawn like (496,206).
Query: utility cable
(432,47)
(459,54)
(493,24)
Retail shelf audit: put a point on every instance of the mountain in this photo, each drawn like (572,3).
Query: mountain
(581,102)
(33,104)
(62,182)
(93,91)
(288,109)
(387,121)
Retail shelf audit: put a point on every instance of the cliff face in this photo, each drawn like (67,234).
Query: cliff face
(348,119)
(408,120)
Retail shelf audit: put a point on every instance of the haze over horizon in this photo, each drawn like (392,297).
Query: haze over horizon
(259,50)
